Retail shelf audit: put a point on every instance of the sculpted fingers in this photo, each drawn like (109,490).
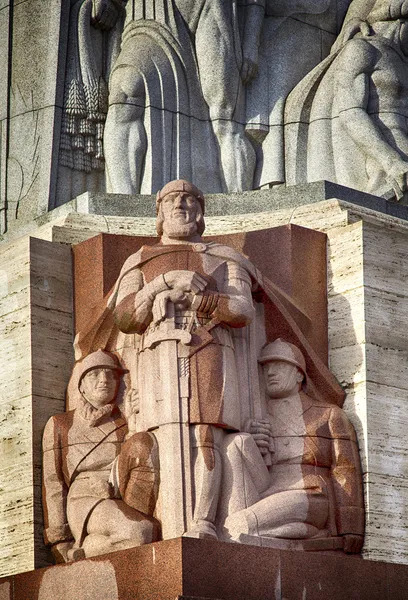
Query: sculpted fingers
(198,283)
(159,307)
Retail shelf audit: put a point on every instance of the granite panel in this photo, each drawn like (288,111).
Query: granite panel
(4,57)
(204,570)
(345,254)
(6,591)
(34,73)
(388,425)
(386,316)
(30,165)
(347,320)
(325,577)
(385,260)
(230,571)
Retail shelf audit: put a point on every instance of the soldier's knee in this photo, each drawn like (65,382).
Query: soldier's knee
(140,449)
(237,441)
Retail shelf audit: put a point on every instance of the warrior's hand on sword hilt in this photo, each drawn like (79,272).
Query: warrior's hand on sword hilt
(186,281)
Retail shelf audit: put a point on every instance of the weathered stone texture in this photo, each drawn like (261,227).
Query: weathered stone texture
(35,351)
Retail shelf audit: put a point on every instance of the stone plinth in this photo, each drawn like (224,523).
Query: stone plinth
(367,307)
(186,569)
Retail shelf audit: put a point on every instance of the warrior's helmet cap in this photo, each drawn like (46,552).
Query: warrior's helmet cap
(180,185)
(98,360)
(284,351)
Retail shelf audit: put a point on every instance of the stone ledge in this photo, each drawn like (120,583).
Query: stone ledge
(103,211)
(188,568)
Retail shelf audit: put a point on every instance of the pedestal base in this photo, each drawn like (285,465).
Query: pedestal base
(186,569)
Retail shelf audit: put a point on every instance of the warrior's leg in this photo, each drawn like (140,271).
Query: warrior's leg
(245,475)
(125,139)
(294,514)
(113,525)
(222,89)
(206,442)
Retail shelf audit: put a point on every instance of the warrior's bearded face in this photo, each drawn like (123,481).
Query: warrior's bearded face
(180,213)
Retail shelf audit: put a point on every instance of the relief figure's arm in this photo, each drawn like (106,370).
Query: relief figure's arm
(355,66)
(105,13)
(254,17)
(134,302)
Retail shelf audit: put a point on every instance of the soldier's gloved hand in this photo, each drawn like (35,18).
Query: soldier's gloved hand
(187,281)
(262,434)
(104,14)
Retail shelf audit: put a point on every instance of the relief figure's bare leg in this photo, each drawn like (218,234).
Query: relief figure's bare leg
(293,514)
(125,140)
(207,469)
(222,90)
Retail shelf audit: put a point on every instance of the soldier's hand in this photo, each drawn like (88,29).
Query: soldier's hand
(261,432)
(187,281)
(104,14)
(179,298)
(353,543)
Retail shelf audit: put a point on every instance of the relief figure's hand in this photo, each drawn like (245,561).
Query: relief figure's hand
(104,14)
(261,432)
(398,178)
(250,59)
(178,297)
(186,281)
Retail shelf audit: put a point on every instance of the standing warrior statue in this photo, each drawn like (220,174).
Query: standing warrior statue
(176,96)
(184,296)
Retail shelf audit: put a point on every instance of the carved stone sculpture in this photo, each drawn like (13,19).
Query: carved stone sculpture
(312,489)
(183,297)
(99,489)
(176,96)
(94,42)
(296,36)
(355,105)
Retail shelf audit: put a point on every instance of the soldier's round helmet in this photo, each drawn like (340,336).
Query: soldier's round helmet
(283,351)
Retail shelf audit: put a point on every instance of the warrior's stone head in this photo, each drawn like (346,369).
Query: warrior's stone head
(284,368)
(99,377)
(180,210)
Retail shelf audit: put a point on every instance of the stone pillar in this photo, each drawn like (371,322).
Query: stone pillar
(36,361)
(368,307)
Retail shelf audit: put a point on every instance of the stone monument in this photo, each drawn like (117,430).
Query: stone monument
(91,473)
(241,391)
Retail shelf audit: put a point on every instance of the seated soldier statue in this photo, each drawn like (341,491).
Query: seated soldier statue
(99,489)
(313,486)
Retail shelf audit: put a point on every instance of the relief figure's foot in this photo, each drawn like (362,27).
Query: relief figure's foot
(202,529)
